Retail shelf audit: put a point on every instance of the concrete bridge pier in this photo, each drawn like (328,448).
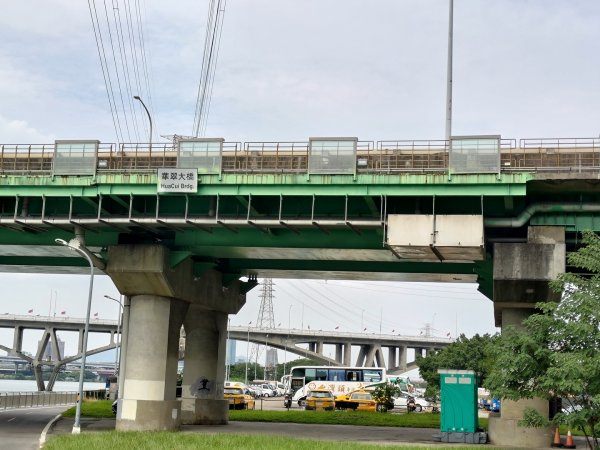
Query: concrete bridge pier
(521,276)
(347,354)
(148,401)
(402,364)
(161,295)
(392,358)
(204,368)
(205,326)
(339,353)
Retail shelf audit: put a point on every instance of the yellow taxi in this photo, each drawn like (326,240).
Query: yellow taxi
(238,398)
(359,400)
(320,399)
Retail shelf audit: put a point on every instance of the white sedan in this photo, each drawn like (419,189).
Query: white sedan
(411,403)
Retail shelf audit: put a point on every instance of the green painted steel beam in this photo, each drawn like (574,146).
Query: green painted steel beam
(273,184)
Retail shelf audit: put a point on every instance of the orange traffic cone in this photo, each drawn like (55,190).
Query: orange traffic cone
(569,443)
(556,442)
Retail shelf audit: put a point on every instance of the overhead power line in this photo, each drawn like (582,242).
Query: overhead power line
(216,13)
(121,40)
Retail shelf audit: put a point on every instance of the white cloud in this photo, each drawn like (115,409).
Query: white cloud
(19,132)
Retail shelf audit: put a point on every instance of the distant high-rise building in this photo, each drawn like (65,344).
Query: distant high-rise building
(48,354)
(231,347)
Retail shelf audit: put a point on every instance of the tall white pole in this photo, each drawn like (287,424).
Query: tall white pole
(118,336)
(247,355)
(227,349)
(449,73)
(77,424)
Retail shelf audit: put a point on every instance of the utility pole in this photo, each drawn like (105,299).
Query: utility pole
(449,73)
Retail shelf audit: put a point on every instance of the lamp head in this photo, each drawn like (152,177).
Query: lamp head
(137,97)
(61,242)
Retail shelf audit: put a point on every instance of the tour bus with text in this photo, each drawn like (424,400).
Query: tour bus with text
(339,380)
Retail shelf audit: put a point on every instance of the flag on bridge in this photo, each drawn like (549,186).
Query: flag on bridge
(393,331)
(448,335)
(365,329)
(63,312)
(30,311)
(337,327)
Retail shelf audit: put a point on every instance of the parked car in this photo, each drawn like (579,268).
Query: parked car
(270,389)
(361,400)
(320,399)
(239,398)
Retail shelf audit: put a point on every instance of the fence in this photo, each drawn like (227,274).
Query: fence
(10,400)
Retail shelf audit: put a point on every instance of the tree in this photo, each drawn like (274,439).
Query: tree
(463,354)
(557,353)
(384,396)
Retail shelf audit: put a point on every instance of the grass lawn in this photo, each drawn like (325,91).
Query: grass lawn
(423,420)
(92,408)
(179,441)
(102,409)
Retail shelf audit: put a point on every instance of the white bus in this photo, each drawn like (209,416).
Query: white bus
(338,380)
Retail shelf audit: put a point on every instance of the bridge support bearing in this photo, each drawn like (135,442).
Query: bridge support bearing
(148,402)
(202,400)
(521,276)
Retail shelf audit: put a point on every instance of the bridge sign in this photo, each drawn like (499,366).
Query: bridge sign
(177,180)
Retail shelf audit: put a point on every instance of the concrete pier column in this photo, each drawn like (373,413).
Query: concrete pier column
(402,358)
(347,354)
(312,347)
(162,288)
(148,402)
(392,360)
(339,353)
(521,276)
(319,347)
(202,399)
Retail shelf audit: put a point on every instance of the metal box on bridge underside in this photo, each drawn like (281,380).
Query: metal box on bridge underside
(436,237)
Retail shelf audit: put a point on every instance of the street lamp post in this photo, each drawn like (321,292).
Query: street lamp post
(118,344)
(288,338)
(266,356)
(76,246)
(227,351)
(247,354)
(137,97)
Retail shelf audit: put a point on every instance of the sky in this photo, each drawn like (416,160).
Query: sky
(288,70)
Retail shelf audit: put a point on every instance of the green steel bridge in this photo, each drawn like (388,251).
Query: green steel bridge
(324,208)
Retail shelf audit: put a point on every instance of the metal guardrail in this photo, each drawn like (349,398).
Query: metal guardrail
(382,157)
(12,400)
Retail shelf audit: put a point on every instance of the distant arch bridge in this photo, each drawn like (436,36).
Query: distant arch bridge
(371,345)
(307,343)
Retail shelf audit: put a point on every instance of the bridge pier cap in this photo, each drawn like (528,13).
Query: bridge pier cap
(140,269)
(522,273)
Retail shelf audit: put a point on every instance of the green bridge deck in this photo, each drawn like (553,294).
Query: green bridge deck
(267,214)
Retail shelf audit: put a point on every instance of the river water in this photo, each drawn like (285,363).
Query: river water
(59,386)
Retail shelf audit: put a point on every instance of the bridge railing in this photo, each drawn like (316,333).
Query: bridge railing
(553,154)
(34,159)
(386,156)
